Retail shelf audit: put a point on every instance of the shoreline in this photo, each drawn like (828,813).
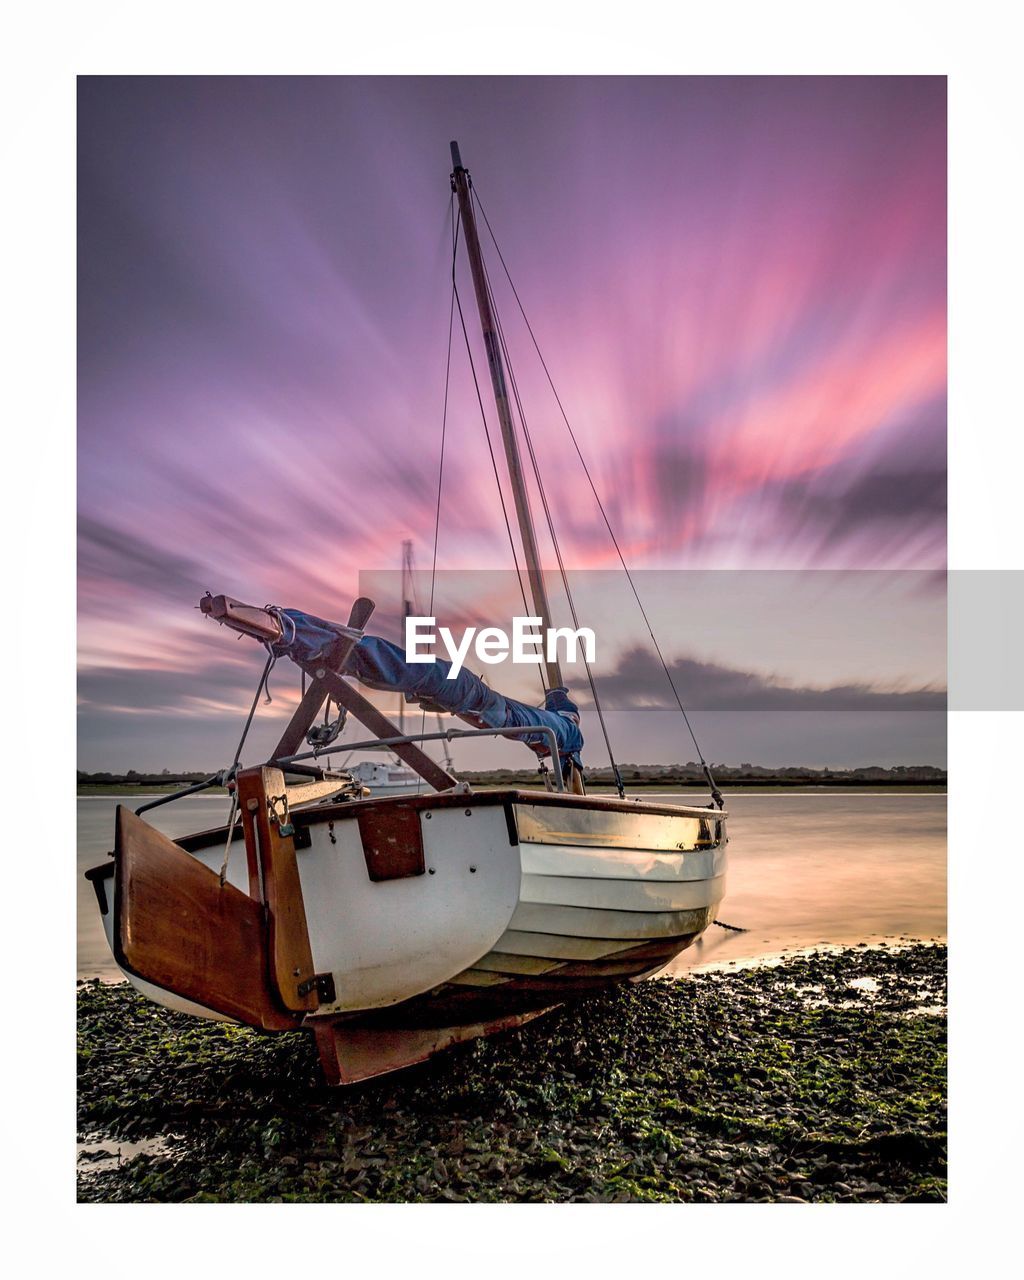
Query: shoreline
(600,788)
(772,959)
(760,959)
(820,1077)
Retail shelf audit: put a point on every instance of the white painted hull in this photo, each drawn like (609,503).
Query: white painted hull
(533,897)
(581,904)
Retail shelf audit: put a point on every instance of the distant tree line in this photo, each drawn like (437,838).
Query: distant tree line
(691,774)
(135,779)
(633,774)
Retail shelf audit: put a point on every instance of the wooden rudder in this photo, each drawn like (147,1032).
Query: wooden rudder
(177,926)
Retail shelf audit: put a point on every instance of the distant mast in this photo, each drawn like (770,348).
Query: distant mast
(461,186)
(407,610)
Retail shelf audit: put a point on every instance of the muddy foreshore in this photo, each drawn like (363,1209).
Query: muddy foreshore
(820,1079)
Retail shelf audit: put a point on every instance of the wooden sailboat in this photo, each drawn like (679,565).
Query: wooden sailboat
(392,927)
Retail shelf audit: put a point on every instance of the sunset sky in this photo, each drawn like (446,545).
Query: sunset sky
(738,285)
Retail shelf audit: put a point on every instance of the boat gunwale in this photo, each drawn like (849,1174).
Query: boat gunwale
(507,797)
(487,796)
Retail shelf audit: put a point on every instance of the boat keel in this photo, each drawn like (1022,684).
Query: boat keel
(349,1054)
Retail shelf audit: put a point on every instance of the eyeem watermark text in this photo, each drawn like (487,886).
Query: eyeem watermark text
(492,644)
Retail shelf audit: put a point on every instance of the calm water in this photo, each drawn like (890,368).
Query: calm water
(803,870)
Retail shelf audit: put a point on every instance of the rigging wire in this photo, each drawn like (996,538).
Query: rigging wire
(229,776)
(271,659)
(494,465)
(715,793)
(494,461)
(455,227)
(551,529)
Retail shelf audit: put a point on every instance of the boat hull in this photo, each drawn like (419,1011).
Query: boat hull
(435,918)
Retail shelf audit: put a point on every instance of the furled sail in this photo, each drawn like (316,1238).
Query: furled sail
(379,664)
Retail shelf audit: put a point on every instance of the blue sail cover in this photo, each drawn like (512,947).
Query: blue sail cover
(379,664)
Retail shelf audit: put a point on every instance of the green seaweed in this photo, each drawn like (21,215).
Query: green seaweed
(779,1083)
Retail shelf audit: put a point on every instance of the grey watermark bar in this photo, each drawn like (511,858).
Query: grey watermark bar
(986,639)
(870,642)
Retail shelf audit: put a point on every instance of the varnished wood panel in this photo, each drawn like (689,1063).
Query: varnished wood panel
(291,960)
(179,928)
(392,842)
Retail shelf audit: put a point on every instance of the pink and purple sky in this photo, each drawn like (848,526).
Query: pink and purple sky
(739,285)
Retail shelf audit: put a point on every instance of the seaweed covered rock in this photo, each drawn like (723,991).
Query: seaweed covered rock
(819,1079)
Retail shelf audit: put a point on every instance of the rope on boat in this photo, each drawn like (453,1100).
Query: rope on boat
(716,795)
(733,928)
(284,622)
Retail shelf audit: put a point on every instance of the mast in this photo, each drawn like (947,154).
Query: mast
(461,185)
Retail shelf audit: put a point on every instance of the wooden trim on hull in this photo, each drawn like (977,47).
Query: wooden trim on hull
(269,842)
(445,800)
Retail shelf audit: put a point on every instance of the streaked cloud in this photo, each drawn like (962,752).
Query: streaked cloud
(639,681)
(739,286)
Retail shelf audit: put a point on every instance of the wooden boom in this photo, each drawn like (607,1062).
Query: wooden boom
(246,618)
(263,626)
